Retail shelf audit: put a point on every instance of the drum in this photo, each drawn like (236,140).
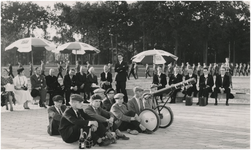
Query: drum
(165,114)
(189,100)
(202,101)
(150,119)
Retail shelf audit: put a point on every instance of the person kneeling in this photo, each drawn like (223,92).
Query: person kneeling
(127,120)
(55,114)
(74,118)
(103,116)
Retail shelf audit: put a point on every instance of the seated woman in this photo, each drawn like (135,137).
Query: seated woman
(106,78)
(127,120)
(7,94)
(91,82)
(21,88)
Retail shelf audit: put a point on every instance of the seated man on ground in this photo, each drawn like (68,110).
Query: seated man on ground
(127,120)
(136,104)
(55,114)
(75,118)
(109,100)
(107,118)
(222,84)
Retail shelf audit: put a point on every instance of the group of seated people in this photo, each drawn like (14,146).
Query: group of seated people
(106,113)
(205,84)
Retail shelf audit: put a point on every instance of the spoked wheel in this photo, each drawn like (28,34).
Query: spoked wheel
(165,114)
(150,119)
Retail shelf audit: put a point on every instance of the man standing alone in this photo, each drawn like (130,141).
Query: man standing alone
(120,76)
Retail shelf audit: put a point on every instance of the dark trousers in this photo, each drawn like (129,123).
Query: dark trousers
(132,72)
(217,90)
(161,95)
(191,90)
(11,74)
(52,128)
(60,74)
(148,74)
(173,95)
(132,125)
(204,92)
(42,93)
(121,88)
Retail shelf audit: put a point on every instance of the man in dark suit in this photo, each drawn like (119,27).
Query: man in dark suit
(136,104)
(74,118)
(38,82)
(222,84)
(120,76)
(206,83)
(176,77)
(70,85)
(109,100)
(81,82)
(10,70)
(53,86)
(106,118)
(192,88)
(106,79)
(159,79)
(55,114)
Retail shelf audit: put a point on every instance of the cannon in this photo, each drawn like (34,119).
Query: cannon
(160,115)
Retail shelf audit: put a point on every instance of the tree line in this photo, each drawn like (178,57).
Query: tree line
(198,31)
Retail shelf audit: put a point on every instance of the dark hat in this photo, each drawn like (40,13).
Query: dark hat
(57,98)
(77,97)
(34,93)
(109,90)
(20,70)
(147,94)
(94,97)
(118,95)
(153,86)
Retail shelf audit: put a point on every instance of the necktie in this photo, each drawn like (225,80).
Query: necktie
(60,111)
(206,80)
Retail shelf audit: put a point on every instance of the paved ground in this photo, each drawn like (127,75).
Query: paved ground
(194,127)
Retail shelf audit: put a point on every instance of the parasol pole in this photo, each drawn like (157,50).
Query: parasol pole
(76,56)
(31,51)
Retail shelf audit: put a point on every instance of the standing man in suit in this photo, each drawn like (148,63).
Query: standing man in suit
(105,117)
(70,85)
(120,76)
(159,79)
(10,70)
(38,82)
(175,78)
(106,79)
(55,114)
(81,82)
(192,88)
(206,83)
(53,86)
(136,104)
(222,84)
(74,118)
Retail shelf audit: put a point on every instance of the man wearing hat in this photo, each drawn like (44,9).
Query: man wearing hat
(55,114)
(74,118)
(136,104)
(38,82)
(109,100)
(107,118)
(127,120)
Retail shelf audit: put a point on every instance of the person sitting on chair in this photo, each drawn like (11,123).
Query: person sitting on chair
(176,77)
(74,118)
(206,83)
(38,82)
(107,118)
(109,100)
(222,84)
(55,114)
(70,85)
(127,120)
(106,79)
(91,82)
(191,88)
(136,104)
(159,78)
(53,86)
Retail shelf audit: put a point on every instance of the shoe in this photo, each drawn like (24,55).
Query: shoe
(133,132)
(104,142)
(44,106)
(227,104)
(215,104)
(11,109)
(197,103)
(147,131)
(27,108)
(123,137)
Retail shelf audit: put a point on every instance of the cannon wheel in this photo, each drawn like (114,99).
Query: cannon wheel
(150,119)
(165,115)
